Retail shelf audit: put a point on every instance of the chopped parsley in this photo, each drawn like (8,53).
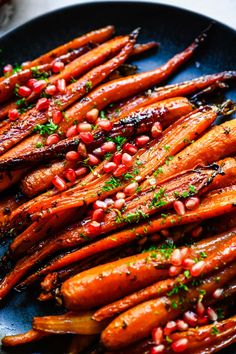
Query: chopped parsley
(215,331)
(118,140)
(158,171)
(37,74)
(167,249)
(111,184)
(48,128)
(135,217)
(38,145)
(102,115)
(88,86)
(179,287)
(157,200)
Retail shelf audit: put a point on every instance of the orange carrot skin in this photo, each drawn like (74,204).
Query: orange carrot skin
(24,338)
(158,312)
(10,178)
(7,205)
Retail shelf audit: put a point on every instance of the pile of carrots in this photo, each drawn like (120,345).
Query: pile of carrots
(120,198)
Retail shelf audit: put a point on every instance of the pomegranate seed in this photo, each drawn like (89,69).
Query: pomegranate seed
(81,171)
(200,308)
(217,293)
(142,140)
(117,158)
(120,195)
(72,131)
(191,318)
(181,325)
(187,263)
(24,91)
(157,335)
(72,156)
(109,167)
(212,314)
(165,233)
(57,66)
(169,328)
(159,349)
(197,268)
(131,188)
(202,320)
(179,207)
(61,85)
(92,115)
(98,215)
(105,124)
(52,139)
(197,231)
(51,90)
(31,82)
(173,271)
(176,259)
(120,170)
(192,203)
(130,148)
(156,130)
(82,149)
(99,204)
(39,86)
(57,117)
(98,152)
(119,203)
(138,178)
(109,201)
(70,175)
(185,252)
(127,159)
(86,137)
(109,146)
(13,115)
(93,160)
(7,69)
(94,226)
(42,104)
(84,127)
(180,345)
(59,183)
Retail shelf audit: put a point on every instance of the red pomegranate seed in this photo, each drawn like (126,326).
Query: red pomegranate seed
(98,215)
(197,268)
(94,226)
(105,124)
(99,204)
(61,85)
(157,335)
(51,90)
(173,271)
(117,158)
(57,66)
(180,345)
(42,104)
(52,139)
(31,82)
(24,91)
(176,258)
(185,252)
(181,325)
(57,117)
(39,86)
(127,159)
(109,202)
(93,160)
(81,171)
(169,328)
(191,318)
(131,188)
(165,233)
(192,203)
(13,114)
(59,183)
(130,148)
(120,170)
(156,130)
(138,178)
(202,320)
(200,308)
(84,127)
(86,137)
(109,146)
(119,203)
(159,349)
(179,207)
(212,314)
(109,167)
(98,152)
(187,263)
(142,140)
(7,69)
(82,149)
(72,156)
(72,131)
(217,293)
(70,175)
(92,115)
(120,195)
(197,231)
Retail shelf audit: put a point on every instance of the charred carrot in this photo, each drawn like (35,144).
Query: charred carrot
(24,338)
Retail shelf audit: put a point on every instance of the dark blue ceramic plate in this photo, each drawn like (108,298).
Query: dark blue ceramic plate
(174,28)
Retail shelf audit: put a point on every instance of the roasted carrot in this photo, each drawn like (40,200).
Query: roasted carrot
(24,338)
(8,179)
(144,47)
(7,204)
